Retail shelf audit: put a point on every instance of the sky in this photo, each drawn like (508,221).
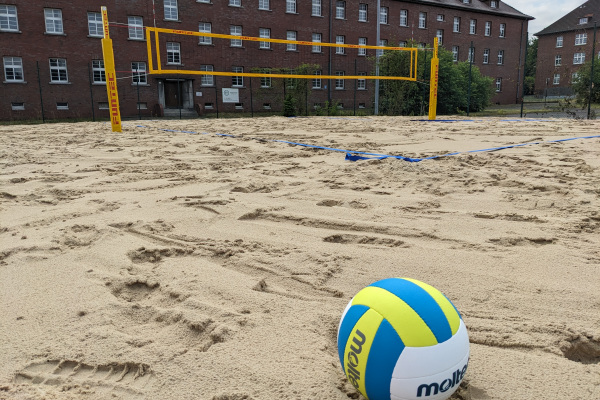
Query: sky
(545,12)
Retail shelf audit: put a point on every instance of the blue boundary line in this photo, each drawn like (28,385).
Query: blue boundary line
(352,155)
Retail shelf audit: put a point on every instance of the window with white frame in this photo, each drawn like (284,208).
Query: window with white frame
(62,105)
(441,18)
(265,81)
(486,56)
(8,18)
(498,84)
(54,23)
(204,1)
(558,60)
(362,12)
(173,53)
(264,5)
(580,39)
(98,73)
(17,106)
(235,3)
(440,36)
(500,57)
(502,30)
(579,58)
(559,41)
(205,27)
(455,53)
(361,83)
(207,80)
(171,12)
(237,80)
(317,10)
(456,25)
(340,39)
(95,27)
(340,10)
(58,70)
(136,28)
(473,26)
(583,20)
(488,28)
(383,43)
(494,3)
(383,15)
(290,6)
(556,80)
(362,41)
(138,73)
(264,33)
(316,82)
(291,35)
(471,57)
(422,20)
(13,69)
(466,1)
(235,30)
(339,82)
(403,17)
(574,77)
(402,43)
(316,38)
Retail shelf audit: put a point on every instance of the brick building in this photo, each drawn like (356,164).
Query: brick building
(563,47)
(51,51)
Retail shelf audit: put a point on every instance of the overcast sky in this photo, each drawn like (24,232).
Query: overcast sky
(545,12)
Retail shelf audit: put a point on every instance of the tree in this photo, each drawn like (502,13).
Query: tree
(581,84)
(531,66)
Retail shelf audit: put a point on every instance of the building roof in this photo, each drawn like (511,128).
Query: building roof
(477,6)
(570,22)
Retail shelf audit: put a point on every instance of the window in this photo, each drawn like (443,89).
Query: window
(205,27)
(53,17)
(138,73)
(466,1)
(136,28)
(316,37)
(209,106)
(98,75)
(361,84)
(17,106)
(235,30)
(204,1)
(362,41)
(456,26)
(264,5)
(455,53)
(8,18)
(441,18)
(500,57)
(173,53)
(290,6)
(103,105)
(62,105)
(291,35)
(58,70)
(362,105)
(494,4)
(142,106)
(580,39)
(578,58)
(471,54)
(237,81)
(440,36)
(95,27)
(473,27)
(574,77)
(339,39)
(264,33)
(235,3)
(13,69)
(488,28)
(316,82)
(486,56)
(383,15)
(422,20)
(556,80)
(558,60)
(403,17)
(316,8)
(267,106)
(171,12)
(583,21)
(382,42)
(207,80)
(402,43)
(502,30)
(362,12)
(498,85)
(559,41)
(339,82)
(340,10)
(265,81)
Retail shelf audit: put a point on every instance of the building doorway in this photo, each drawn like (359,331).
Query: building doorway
(173,94)
(176,93)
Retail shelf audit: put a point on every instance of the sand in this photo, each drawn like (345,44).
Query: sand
(167,265)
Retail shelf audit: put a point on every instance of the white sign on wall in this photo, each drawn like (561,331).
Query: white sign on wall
(231,95)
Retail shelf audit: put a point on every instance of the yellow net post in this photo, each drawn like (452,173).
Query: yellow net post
(111,76)
(433,84)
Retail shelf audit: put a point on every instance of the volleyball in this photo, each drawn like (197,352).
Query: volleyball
(402,339)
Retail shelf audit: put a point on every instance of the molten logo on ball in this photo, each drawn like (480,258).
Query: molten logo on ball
(403,339)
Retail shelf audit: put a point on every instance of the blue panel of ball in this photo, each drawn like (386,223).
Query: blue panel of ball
(352,316)
(385,351)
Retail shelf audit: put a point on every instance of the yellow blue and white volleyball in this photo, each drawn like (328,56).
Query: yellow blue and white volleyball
(401,339)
